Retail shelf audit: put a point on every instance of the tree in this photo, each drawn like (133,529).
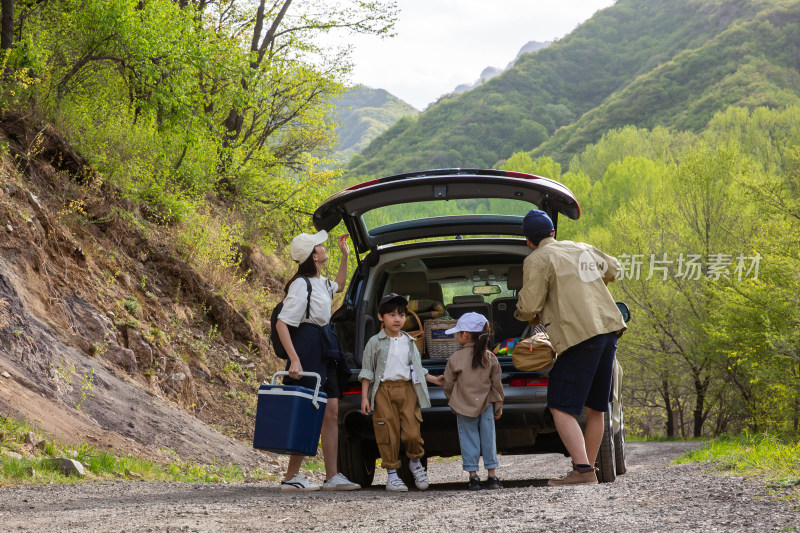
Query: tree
(273,92)
(6,24)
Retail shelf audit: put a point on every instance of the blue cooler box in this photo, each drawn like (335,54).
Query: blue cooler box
(289,417)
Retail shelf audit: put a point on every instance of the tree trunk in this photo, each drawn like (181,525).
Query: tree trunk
(670,425)
(700,388)
(6,24)
(235,120)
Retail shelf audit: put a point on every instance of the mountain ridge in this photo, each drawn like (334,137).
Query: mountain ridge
(576,83)
(492,72)
(363,114)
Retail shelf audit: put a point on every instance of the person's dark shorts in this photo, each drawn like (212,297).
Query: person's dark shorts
(582,376)
(310,347)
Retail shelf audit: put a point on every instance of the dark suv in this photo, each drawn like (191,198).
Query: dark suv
(451,239)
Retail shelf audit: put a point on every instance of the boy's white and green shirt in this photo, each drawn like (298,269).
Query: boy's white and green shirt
(374,363)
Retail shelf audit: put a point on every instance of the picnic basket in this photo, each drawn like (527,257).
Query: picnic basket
(438,344)
(418,334)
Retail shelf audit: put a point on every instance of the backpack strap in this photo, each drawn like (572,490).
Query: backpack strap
(308,301)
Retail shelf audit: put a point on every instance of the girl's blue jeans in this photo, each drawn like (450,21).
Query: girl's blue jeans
(476,435)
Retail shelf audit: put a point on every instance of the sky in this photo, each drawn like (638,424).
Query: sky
(443,43)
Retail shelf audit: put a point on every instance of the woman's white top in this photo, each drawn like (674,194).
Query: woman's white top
(398,364)
(294,305)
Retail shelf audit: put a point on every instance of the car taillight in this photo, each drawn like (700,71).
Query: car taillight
(361,186)
(526,382)
(354,388)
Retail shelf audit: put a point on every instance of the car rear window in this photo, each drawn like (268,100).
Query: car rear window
(391,214)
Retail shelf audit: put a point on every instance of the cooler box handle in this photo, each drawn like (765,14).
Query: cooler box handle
(314,401)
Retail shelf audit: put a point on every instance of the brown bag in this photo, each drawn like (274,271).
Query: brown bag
(533,353)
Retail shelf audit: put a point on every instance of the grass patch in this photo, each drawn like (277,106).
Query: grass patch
(26,458)
(761,456)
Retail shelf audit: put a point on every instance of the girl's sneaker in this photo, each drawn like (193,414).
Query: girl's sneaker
(396,485)
(298,484)
(493,483)
(474,483)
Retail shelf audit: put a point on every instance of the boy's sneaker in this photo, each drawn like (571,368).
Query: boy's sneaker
(420,477)
(575,478)
(396,485)
(493,483)
(298,484)
(339,482)
(474,483)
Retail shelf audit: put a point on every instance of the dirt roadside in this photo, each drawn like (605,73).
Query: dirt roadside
(652,496)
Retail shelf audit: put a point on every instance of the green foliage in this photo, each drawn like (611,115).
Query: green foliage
(759,455)
(132,305)
(715,351)
(171,106)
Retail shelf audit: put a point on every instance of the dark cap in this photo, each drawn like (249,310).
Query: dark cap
(393,296)
(536,224)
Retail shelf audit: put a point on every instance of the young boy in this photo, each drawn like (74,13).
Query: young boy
(391,389)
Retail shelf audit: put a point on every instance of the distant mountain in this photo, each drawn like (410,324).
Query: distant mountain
(365,113)
(672,63)
(490,72)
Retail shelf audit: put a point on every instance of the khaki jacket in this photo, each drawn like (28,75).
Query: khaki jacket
(469,389)
(564,289)
(373,365)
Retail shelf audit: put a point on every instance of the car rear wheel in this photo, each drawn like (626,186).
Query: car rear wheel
(606,457)
(357,460)
(619,450)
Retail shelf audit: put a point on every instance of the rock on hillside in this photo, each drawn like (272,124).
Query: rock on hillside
(491,72)
(103,329)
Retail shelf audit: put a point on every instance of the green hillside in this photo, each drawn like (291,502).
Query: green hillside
(671,63)
(365,113)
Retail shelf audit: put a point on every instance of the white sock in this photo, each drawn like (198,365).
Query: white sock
(415,464)
(392,472)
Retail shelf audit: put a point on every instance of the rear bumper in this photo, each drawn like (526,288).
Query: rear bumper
(525,427)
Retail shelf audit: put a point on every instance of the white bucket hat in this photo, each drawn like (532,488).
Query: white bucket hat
(304,244)
(472,322)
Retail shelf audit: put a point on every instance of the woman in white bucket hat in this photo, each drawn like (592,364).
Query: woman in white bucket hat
(307,338)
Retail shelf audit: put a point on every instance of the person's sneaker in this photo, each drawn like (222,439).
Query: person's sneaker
(575,478)
(339,482)
(396,485)
(493,483)
(420,477)
(298,484)
(474,483)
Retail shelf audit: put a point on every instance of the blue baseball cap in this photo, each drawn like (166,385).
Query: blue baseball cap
(536,223)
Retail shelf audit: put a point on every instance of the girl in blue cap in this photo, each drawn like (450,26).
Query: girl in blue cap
(472,386)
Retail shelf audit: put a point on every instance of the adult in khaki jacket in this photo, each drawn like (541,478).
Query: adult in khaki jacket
(564,289)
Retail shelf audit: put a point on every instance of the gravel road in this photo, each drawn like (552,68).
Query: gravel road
(652,496)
